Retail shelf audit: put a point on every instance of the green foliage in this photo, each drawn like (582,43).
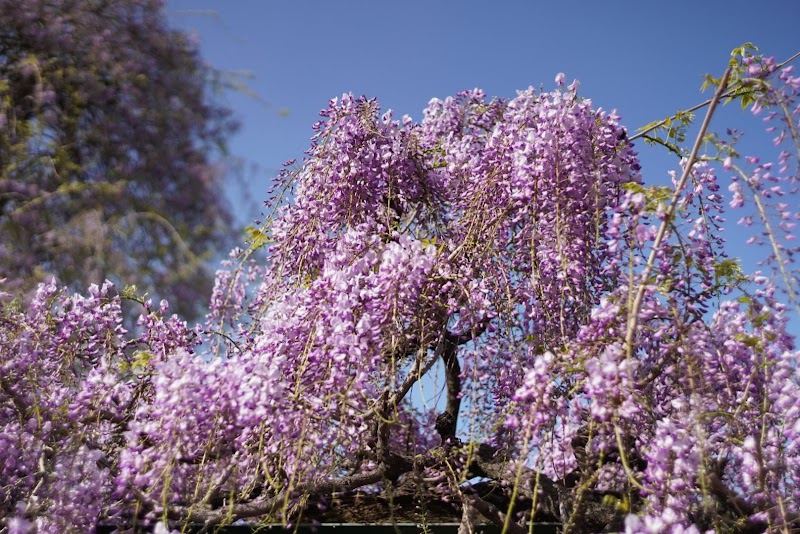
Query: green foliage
(742,86)
(655,196)
(669,132)
(256,237)
(107,140)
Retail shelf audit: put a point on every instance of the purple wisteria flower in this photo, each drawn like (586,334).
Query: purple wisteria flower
(594,356)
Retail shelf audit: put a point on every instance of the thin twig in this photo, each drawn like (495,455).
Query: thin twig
(708,102)
(636,306)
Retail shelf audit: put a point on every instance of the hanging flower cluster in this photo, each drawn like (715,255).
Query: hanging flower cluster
(600,361)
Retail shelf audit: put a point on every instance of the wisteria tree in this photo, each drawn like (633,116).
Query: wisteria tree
(602,362)
(106,140)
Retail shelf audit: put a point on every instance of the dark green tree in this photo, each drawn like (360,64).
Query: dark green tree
(107,140)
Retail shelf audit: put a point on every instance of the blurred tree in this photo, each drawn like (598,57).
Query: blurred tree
(105,135)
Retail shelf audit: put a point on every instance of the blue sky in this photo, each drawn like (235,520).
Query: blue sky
(645,59)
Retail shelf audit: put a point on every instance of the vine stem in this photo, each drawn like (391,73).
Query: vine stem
(708,102)
(776,249)
(636,306)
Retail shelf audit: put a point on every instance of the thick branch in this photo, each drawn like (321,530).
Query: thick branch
(452,370)
(731,501)
(421,367)
(728,497)
(490,512)
(268,506)
(19,403)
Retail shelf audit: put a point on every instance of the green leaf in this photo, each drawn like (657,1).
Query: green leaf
(633,187)
(141,360)
(760,319)
(651,125)
(709,82)
(256,237)
(748,340)
(620,504)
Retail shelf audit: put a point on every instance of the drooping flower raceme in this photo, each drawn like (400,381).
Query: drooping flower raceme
(501,243)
